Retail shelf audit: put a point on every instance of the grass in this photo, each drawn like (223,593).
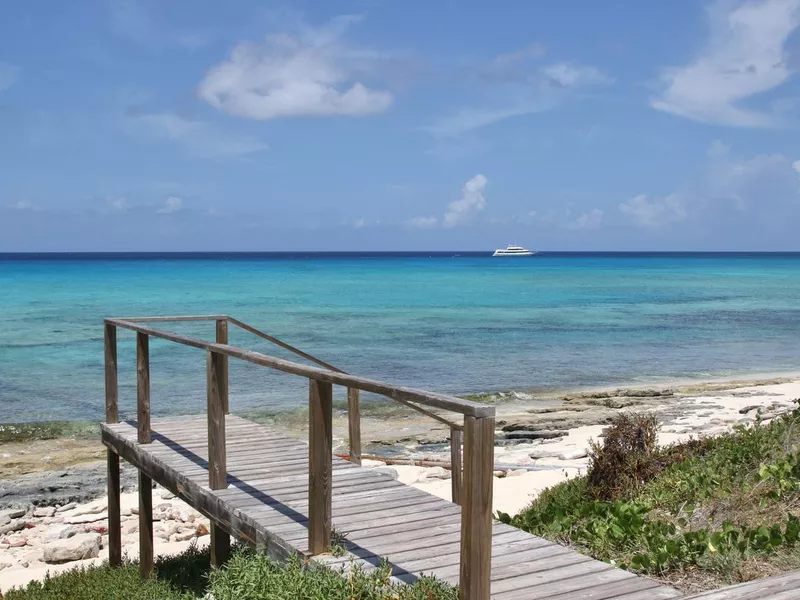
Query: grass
(697,515)
(246,576)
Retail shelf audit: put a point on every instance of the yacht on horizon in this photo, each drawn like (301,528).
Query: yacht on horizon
(513,250)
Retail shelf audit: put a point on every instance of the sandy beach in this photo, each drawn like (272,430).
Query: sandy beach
(53,518)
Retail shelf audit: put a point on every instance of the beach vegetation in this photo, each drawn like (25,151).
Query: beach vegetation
(700,514)
(248,575)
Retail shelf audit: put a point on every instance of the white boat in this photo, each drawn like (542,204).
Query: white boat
(512,250)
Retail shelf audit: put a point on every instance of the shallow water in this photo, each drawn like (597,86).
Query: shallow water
(452,324)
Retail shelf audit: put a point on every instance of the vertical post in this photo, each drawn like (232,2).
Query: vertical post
(143,387)
(145,526)
(217,460)
(354,425)
(476,509)
(222,338)
(320,465)
(144,437)
(112,458)
(456,439)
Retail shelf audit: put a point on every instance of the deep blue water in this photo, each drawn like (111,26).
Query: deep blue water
(451,322)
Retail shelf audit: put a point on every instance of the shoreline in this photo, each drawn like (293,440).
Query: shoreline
(55,504)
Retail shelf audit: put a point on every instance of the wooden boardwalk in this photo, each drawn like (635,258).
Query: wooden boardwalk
(265,504)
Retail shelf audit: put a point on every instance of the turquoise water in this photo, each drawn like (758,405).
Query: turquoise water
(452,324)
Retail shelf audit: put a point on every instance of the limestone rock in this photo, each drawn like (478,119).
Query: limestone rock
(183,536)
(437,473)
(387,471)
(516,472)
(543,453)
(4,519)
(66,507)
(96,507)
(542,434)
(44,511)
(573,454)
(88,518)
(15,525)
(747,409)
(60,532)
(79,547)
(14,513)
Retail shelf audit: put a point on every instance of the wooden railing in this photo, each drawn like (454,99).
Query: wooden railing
(471,472)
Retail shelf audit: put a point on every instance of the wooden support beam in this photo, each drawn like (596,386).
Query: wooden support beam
(217,460)
(354,425)
(222,338)
(145,526)
(456,439)
(476,509)
(320,465)
(143,387)
(114,517)
(112,387)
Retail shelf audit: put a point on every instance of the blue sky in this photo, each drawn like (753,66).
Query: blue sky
(375,125)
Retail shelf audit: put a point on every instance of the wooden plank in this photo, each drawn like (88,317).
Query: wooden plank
(633,588)
(112,386)
(145,526)
(143,387)
(114,515)
(222,338)
(781,587)
(560,580)
(354,425)
(320,458)
(476,515)
(171,318)
(217,459)
(456,439)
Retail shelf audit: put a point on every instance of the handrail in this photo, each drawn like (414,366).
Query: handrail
(399,393)
(474,494)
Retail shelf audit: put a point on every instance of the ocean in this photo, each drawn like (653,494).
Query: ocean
(449,322)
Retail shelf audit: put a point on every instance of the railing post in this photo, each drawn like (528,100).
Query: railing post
(476,509)
(354,425)
(222,338)
(320,465)
(112,458)
(217,460)
(456,439)
(143,387)
(144,437)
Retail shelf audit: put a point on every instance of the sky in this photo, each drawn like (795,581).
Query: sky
(169,125)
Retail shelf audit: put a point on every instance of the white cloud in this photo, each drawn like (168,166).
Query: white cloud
(200,138)
(745,56)
(309,74)
(423,222)
(8,75)
(24,205)
(524,90)
(472,202)
(565,75)
(796,166)
(172,205)
(592,219)
(360,223)
(654,213)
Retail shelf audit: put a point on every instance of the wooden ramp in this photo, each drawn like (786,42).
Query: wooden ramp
(265,504)
(780,587)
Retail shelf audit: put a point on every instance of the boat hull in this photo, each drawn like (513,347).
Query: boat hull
(503,253)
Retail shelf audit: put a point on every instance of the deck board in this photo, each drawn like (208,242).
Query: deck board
(266,504)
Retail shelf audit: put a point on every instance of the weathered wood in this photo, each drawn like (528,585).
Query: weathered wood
(354,425)
(380,517)
(216,368)
(145,526)
(222,338)
(143,387)
(112,386)
(781,587)
(320,457)
(476,506)
(456,438)
(400,393)
(114,515)
(168,319)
